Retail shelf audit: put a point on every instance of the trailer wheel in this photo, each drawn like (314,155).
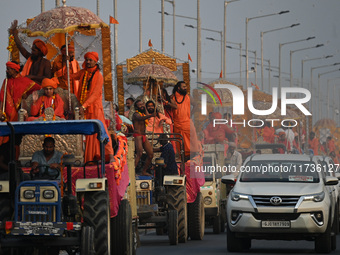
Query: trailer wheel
(87,241)
(97,215)
(122,235)
(196,222)
(173,227)
(177,200)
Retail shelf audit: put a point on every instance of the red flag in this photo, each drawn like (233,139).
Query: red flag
(150,44)
(254,85)
(113,20)
(221,74)
(189,58)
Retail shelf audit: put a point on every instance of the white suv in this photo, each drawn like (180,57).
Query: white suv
(283,197)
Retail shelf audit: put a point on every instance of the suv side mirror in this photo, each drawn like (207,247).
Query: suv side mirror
(228,179)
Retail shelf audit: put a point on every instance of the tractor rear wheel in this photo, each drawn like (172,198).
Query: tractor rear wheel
(87,241)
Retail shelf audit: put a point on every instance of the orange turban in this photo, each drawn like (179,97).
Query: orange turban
(41,46)
(13,65)
(92,55)
(49,83)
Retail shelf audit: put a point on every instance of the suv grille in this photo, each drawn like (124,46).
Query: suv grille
(285,200)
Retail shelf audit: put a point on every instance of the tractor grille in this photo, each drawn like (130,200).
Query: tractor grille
(41,213)
(143,198)
(285,200)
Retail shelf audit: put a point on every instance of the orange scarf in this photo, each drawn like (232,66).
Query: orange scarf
(143,114)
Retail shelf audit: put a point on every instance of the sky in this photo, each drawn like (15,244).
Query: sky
(317,18)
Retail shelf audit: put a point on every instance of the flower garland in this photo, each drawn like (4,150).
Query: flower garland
(84,89)
(11,43)
(143,114)
(42,107)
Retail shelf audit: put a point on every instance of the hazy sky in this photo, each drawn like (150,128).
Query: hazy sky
(319,18)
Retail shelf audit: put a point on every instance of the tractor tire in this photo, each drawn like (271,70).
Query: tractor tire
(177,200)
(97,215)
(196,222)
(87,241)
(121,229)
(173,227)
(217,224)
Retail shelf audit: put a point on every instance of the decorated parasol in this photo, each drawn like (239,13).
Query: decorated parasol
(147,72)
(64,19)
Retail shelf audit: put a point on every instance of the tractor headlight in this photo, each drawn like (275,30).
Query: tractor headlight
(29,194)
(144,185)
(48,194)
(207,200)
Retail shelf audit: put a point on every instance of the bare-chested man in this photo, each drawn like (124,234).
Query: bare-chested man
(140,121)
(37,67)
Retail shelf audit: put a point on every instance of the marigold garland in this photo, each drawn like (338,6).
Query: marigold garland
(143,114)
(84,89)
(11,43)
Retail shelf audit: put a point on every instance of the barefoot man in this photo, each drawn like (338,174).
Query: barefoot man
(140,121)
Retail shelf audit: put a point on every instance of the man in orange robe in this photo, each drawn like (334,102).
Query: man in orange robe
(159,119)
(313,143)
(49,99)
(36,67)
(268,133)
(182,121)
(59,69)
(17,88)
(219,133)
(90,97)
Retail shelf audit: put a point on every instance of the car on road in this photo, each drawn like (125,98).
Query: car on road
(281,197)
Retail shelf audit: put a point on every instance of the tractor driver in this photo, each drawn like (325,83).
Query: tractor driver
(46,163)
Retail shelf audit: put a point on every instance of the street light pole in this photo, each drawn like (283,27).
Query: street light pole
(291,55)
(247,21)
(162,26)
(280,47)
(199,64)
(319,92)
(225,37)
(140,27)
(261,35)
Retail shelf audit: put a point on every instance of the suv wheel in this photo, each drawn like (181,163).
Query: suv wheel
(323,243)
(234,244)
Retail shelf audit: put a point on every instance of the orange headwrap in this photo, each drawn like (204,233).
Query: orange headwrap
(92,55)
(41,46)
(14,66)
(70,49)
(49,83)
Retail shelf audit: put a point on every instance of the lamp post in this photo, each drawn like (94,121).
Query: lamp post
(225,37)
(261,36)
(247,21)
(199,65)
(280,47)
(213,39)
(333,98)
(172,2)
(291,55)
(140,27)
(209,38)
(319,92)
(311,59)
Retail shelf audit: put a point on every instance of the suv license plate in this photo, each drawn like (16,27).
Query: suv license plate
(275,224)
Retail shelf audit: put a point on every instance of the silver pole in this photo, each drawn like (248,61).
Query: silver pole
(328,96)
(261,35)
(270,86)
(255,68)
(319,98)
(140,26)
(42,5)
(225,40)
(97,7)
(57,3)
(174,26)
(247,74)
(240,63)
(199,64)
(162,26)
(280,46)
(291,73)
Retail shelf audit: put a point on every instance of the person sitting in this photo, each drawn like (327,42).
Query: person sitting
(49,99)
(155,124)
(47,158)
(36,67)
(168,154)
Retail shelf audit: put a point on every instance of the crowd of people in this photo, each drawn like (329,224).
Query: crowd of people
(40,78)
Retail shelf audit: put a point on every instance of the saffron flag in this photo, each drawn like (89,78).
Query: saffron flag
(221,74)
(254,85)
(189,58)
(113,20)
(150,44)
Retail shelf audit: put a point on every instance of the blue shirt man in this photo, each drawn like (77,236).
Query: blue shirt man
(168,154)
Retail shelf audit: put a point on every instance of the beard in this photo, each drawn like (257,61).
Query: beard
(151,110)
(8,76)
(141,110)
(183,92)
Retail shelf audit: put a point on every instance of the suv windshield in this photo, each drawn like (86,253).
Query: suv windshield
(280,171)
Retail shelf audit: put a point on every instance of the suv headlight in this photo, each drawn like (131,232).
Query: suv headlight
(48,194)
(238,196)
(29,194)
(319,197)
